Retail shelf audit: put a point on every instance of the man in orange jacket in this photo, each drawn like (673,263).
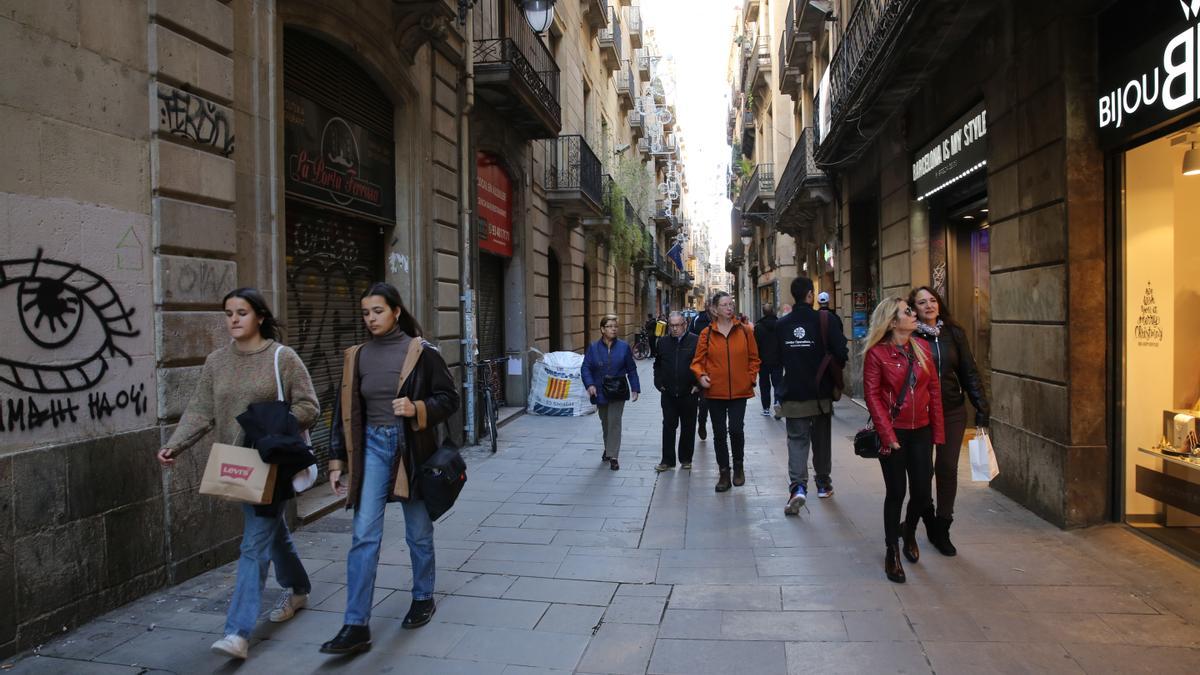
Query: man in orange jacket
(726,365)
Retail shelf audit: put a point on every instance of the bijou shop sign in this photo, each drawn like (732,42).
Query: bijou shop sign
(1149,66)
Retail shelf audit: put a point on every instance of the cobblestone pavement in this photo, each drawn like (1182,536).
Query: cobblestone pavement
(552,563)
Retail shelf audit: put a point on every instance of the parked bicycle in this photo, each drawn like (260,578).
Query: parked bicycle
(489,374)
(641,346)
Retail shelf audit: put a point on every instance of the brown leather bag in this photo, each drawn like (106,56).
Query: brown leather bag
(828,363)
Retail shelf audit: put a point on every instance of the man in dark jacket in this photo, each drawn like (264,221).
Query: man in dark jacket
(812,347)
(771,370)
(702,321)
(673,377)
(649,327)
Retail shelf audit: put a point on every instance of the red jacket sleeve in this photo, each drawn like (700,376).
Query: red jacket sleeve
(937,421)
(879,401)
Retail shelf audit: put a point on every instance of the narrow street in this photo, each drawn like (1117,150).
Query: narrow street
(552,563)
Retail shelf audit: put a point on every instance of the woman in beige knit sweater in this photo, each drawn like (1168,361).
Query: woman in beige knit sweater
(233,377)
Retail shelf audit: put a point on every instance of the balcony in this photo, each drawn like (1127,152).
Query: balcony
(597,13)
(626,87)
(664,213)
(750,10)
(637,124)
(803,24)
(644,64)
(803,189)
(758,72)
(669,121)
(610,41)
(643,146)
(574,186)
(635,26)
(758,191)
(748,133)
(515,74)
(883,58)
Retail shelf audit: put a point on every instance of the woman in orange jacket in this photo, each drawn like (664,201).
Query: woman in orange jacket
(726,365)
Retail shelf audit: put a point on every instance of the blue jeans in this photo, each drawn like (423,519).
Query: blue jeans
(363,559)
(264,540)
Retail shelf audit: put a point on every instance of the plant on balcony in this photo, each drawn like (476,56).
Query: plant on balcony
(745,166)
(625,237)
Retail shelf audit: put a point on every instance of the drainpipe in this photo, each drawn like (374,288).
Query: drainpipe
(467,240)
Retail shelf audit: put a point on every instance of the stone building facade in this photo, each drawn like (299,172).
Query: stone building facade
(301,147)
(982,164)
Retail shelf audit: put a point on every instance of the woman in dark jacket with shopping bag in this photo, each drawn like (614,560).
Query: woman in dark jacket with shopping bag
(610,359)
(904,399)
(395,390)
(959,379)
(233,377)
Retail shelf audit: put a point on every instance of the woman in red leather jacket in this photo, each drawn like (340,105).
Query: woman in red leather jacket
(906,434)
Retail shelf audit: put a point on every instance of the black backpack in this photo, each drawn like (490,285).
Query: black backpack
(440,480)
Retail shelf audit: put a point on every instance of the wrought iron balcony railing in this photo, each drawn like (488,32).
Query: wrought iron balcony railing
(626,86)
(760,185)
(635,26)
(515,72)
(597,12)
(573,172)
(610,40)
(758,70)
(800,192)
(870,27)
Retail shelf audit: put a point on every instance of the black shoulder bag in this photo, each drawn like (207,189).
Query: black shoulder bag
(616,387)
(866,441)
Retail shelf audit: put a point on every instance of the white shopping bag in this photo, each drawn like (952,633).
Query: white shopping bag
(983,457)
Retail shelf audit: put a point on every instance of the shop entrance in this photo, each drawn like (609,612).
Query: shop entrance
(491,313)
(968,280)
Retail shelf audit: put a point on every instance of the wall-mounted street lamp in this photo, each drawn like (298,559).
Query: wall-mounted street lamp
(539,13)
(746,235)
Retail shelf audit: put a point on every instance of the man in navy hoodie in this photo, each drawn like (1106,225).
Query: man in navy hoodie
(813,351)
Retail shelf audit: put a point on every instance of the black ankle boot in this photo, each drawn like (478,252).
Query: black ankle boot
(891,565)
(909,534)
(723,483)
(419,613)
(943,544)
(932,531)
(349,640)
(739,476)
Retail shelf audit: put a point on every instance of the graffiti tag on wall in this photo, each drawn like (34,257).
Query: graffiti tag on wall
(60,305)
(195,118)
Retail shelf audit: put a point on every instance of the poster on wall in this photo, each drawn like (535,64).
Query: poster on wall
(334,161)
(494,206)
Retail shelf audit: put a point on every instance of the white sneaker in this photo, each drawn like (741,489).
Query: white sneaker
(287,606)
(233,646)
(766,412)
(777,411)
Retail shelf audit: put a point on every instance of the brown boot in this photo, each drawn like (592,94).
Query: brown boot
(909,533)
(723,483)
(891,565)
(739,476)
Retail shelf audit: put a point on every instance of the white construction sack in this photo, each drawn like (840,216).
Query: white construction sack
(557,388)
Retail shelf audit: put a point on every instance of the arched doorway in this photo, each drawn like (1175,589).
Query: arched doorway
(555,279)
(339,173)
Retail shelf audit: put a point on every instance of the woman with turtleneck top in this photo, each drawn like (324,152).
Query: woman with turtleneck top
(395,390)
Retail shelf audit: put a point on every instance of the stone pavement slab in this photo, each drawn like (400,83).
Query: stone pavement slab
(550,564)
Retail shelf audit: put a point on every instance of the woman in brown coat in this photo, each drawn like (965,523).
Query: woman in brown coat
(395,390)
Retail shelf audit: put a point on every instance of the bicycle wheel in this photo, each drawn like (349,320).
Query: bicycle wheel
(641,351)
(490,405)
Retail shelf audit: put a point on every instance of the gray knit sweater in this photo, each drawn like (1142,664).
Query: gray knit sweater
(230,381)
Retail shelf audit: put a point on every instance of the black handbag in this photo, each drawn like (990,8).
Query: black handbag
(866,442)
(616,387)
(440,480)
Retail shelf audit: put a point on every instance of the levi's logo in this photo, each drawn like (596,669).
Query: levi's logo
(236,472)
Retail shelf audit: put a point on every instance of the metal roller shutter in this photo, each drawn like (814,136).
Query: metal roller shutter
(331,260)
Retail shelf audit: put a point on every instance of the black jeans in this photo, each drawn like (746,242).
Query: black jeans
(912,463)
(702,413)
(769,377)
(678,412)
(728,417)
(945,463)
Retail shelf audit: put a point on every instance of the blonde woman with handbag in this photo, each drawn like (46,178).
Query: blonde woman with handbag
(904,398)
(233,377)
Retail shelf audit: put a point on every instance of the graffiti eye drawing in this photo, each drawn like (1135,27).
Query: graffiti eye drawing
(73,319)
(48,305)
